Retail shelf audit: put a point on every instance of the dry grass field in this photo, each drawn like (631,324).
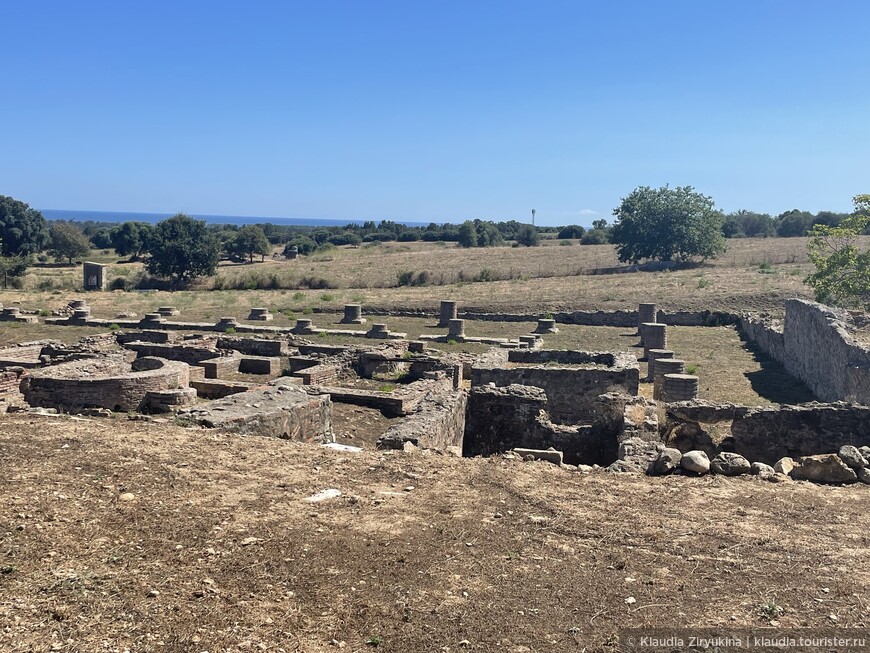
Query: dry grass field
(755,274)
(217,550)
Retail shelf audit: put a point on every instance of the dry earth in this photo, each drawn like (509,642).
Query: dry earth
(215,548)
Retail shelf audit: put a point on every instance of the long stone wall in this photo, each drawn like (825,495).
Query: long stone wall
(815,345)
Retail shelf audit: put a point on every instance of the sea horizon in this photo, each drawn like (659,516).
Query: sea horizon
(77,215)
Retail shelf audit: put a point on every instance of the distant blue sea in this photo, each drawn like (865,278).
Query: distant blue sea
(126,216)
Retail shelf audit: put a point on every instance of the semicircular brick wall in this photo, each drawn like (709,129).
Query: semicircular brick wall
(111,383)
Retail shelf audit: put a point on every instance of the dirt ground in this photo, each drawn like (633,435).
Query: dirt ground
(129,536)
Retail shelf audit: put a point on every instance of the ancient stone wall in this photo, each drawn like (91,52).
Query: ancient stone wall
(815,345)
(438,423)
(254,346)
(502,418)
(192,355)
(768,434)
(10,385)
(571,391)
(109,382)
(280,411)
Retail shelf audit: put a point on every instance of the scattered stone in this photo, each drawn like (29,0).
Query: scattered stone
(852,457)
(696,462)
(864,475)
(248,541)
(549,455)
(761,468)
(584,469)
(126,496)
(323,495)
(784,466)
(153,594)
(667,460)
(826,468)
(730,464)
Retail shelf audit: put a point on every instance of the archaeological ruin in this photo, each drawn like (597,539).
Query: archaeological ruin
(638,410)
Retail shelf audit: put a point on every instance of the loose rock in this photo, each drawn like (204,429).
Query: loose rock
(852,457)
(784,466)
(730,464)
(696,462)
(761,468)
(667,460)
(826,468)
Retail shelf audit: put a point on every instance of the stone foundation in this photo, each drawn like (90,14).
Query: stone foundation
(281,411)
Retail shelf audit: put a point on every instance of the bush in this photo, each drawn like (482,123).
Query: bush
(412,278)
(594,237)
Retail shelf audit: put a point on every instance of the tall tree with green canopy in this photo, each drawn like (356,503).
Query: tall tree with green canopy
(182,249)
(131,238)
(667,224)
(23,230)
(250,240)
(842,276)
(68,242)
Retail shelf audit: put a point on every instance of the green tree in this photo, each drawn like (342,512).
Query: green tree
(467,234)
(793,223)
(527,236)
(842,276)
(14,266)
(667,224)
(68,242)
(131,238)
(571,231)
(182,249)
(23,230)
(250,240)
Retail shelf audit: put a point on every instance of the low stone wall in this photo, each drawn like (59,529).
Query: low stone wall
(571,391)
(215,368)
(438,423)
(254,346)
(109,382)
(10,386)
(583,318)
(502,418)
(216,389)
(766,333)
(318,374)
(192,355)
(768,434)
(281,411)
(270,366)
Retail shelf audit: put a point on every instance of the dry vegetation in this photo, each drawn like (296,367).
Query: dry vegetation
(218,551)
(544,278)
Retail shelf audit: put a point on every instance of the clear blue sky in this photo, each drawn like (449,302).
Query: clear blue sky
(432,110)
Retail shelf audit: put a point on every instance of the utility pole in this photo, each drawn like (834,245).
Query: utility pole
(533,217)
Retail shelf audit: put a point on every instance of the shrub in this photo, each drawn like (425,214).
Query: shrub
(406,278)
(114,327)
(326,297)
(298,296)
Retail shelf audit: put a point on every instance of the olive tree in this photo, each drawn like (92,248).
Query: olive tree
(667,224)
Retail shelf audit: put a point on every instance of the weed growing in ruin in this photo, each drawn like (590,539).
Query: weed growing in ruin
(299,296)
(691,369)
(326,297)
(704,282)
(114,327)
(230,330)
(769,610)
